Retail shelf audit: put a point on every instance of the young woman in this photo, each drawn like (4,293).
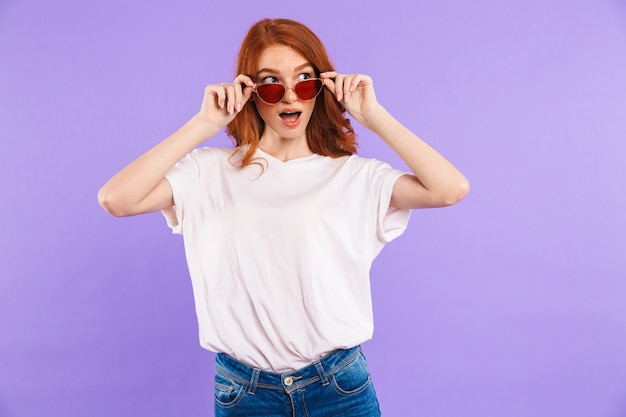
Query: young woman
(280,231)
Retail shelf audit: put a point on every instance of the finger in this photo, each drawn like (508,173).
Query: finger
(350,87)
(247,93)
(329,83)
(341,87)
(247,86)
(238,96)
(329,78)
(216,93)
(339,80)
(347,87)
(354,83)
(243,90)
(244,80)
(230,98)
(328,74)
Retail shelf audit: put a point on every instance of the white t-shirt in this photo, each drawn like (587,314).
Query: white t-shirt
(280,261)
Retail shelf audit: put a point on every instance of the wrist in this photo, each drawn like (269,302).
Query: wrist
(202,128)
(375,118)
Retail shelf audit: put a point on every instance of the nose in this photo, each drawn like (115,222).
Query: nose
(290,95)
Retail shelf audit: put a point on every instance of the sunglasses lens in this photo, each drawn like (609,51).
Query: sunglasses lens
(270,93)
(305,90)
(308,89)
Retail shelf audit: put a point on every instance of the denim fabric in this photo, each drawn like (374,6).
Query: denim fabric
(339,384)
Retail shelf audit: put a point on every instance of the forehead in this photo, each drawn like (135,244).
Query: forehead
(281,58)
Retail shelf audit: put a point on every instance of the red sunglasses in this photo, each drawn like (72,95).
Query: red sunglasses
(305,90)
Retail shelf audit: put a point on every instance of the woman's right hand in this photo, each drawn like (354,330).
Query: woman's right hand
(222,102)
(141,187)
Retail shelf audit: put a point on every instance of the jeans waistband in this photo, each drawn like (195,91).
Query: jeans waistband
(254,378)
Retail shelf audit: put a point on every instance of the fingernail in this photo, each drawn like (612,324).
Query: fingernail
(339,96)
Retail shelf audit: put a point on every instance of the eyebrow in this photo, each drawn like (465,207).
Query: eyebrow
(273,71)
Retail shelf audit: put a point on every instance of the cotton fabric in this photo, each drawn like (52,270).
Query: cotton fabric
(279,253)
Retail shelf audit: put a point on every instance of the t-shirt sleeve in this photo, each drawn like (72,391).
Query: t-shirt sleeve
(391,222)
(183,177)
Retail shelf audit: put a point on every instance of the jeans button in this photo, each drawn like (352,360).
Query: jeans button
(288,381)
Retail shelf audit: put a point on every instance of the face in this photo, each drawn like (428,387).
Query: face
(288,118)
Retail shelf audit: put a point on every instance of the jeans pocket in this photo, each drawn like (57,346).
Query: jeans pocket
(228,393)
(352,379)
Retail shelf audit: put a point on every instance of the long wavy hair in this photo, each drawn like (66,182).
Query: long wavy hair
(329,132)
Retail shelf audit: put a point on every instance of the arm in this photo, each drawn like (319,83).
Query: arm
(436,182)
(141,186)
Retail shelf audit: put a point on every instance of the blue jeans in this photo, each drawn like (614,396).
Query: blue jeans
(339,384)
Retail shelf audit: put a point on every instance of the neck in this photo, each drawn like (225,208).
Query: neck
(285,149)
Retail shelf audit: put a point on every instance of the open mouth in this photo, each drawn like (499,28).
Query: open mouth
(290,117)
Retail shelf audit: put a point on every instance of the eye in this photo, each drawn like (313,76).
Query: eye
(270,80)
(304,76)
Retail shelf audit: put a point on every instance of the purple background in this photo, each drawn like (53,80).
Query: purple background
(512,303)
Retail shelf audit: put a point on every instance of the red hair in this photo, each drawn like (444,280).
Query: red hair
(329,132)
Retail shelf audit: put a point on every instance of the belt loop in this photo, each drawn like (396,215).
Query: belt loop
(254,380)
(322,373)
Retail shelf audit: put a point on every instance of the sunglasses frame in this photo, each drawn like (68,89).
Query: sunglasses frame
(293,88)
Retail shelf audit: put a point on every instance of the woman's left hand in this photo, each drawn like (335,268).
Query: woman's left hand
(436,182)
(354,91)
